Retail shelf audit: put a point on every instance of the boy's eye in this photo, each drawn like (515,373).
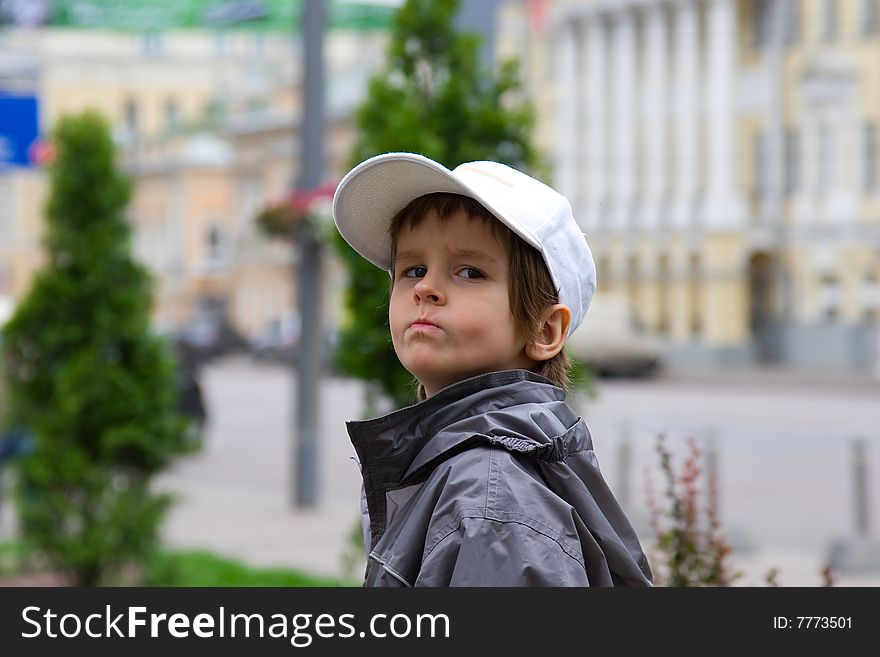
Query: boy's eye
(415,272)
(470,272)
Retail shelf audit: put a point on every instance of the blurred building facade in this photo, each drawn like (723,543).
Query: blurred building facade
(207,124)
(722,157)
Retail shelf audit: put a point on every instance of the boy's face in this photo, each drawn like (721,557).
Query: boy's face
(450,312)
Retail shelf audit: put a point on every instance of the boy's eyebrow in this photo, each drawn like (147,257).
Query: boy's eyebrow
(467,253)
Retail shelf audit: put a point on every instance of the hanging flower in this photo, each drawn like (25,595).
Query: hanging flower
(282,219)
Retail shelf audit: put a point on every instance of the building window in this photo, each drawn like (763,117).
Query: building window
(696,309)
(829,299)
(870,298)
(762,32)
(664,294)
(869,157)
(869,17)
(215,247)
(215,243)
(632,279)
(823,166)
(759,155)
(792,161)
(829,19)
(131,116)
(764,22)
(172,117)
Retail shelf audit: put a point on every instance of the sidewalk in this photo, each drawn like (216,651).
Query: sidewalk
(775,375)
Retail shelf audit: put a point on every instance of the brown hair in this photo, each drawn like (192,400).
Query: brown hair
(531,290)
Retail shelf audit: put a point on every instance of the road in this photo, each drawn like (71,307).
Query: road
(783,453)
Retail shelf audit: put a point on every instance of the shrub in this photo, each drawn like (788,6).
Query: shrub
(87,378)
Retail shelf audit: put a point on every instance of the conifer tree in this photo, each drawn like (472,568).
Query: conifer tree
(87,378)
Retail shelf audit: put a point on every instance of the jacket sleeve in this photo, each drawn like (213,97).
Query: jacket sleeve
(485,552)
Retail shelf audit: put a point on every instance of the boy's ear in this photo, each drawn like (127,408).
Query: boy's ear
(551,338)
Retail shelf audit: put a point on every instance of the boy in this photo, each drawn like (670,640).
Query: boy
(491,479)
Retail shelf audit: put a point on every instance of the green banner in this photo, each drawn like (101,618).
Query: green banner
(162,15)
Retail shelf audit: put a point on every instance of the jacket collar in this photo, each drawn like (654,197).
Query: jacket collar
(399,445)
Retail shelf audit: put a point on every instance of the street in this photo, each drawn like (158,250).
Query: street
(783,453)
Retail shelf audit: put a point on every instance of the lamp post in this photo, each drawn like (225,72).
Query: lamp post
(305,456)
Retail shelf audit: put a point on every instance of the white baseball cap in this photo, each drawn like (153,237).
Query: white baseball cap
(374,191)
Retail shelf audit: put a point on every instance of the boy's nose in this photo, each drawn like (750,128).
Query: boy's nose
(427,290)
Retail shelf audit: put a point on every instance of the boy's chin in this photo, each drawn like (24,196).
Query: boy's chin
(434,384)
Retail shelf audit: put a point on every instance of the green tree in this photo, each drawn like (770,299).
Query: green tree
(87,378)
(433,98)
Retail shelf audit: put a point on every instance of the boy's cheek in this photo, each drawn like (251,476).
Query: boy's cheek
(396,327)
(398,294)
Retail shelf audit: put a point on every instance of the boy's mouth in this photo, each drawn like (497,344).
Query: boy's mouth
(424,324)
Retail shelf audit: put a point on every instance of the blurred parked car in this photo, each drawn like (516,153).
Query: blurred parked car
(279,341)
(609,342)
(207,338)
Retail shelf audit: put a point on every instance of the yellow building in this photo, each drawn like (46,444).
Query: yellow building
(207,125)
(195,201)
(722,158)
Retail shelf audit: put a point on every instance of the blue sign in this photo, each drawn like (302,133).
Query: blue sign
(19,130)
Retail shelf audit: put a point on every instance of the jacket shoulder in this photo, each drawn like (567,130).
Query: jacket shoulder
(493,484)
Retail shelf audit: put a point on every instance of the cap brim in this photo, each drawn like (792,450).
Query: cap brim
(374,191)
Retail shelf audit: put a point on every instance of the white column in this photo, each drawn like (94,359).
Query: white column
(578,138)
(687,118)
(655,116)
(623,124)
(597,110)
(583,208)
(845,123)
(806,197)
(724,203)
(566,110)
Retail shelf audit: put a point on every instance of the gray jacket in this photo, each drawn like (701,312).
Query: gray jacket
(491,482)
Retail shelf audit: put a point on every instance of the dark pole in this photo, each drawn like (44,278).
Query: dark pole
(309,268)
(860,482)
